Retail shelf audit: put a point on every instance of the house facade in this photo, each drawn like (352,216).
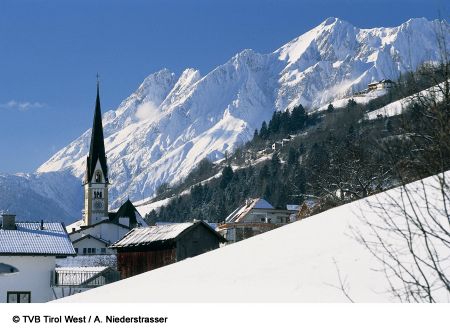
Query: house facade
(30,249)
(145,249)
(254,217)
(383,84)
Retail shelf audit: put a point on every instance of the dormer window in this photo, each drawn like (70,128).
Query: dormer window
(98,177)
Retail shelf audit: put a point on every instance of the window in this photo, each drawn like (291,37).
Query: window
(98,177)
(90,250)
(103,250)
(97,194)
(84,250)
(18,297)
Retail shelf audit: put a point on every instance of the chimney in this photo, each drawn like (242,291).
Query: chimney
(9,221)
(42,224)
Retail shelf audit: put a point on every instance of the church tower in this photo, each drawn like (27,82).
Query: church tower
(96,177)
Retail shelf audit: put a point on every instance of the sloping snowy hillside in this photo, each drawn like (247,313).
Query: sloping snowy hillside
(301,262)
(171,122)
(432,94)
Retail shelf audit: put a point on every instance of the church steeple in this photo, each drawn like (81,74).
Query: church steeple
(97,148)
(96,179)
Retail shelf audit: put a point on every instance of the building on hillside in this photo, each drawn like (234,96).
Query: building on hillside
(145,249)
(383,84)
(277,145)
(30,249)
(280,144)
(254,217)
(99,228)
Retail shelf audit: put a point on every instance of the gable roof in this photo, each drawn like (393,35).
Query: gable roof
(128,210)
(97,147)
(93,237)
(159,233)
(29,239)
(243,210)
(80,228)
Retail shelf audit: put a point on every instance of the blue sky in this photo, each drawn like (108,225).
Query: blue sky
(50,52)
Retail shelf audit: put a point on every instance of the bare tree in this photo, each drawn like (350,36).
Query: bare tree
(408,229)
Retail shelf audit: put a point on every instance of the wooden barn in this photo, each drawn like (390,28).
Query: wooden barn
(144,249)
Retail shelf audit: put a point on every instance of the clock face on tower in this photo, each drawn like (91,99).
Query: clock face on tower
(98,204)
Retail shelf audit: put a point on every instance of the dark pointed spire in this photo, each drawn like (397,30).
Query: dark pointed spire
(97,148)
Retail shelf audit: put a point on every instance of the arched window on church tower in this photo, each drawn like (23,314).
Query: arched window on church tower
(98,177)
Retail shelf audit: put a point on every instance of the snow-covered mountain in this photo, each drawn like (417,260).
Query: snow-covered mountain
(160,132)
(52,196)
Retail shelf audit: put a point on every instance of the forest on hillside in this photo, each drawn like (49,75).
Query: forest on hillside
(324,158)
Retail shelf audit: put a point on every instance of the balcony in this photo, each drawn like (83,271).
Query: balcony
(83,277)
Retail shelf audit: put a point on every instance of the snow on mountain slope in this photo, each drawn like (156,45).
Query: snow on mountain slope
(170,123)
(434,93)
(52,196)
(295,263)
(360,99)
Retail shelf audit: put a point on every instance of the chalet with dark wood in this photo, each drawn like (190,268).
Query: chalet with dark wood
(144,249)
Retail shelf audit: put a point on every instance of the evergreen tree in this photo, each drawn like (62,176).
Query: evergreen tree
(152,217)
(264,133)
(292,156)
(255,134)
(227,176)
(275,164)
(274,123)
(351,104)
(330,108)
(298,118)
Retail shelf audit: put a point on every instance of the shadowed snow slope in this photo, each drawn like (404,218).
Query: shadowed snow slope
(295,263)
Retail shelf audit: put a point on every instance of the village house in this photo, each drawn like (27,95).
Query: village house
(144,249)
(280,144)
(30,250)
(254,217)
(383,84)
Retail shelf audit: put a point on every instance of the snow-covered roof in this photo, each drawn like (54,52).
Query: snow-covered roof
(143,236)
(104,241)
(29,239)
(242,211)
(109,260)
(126,210)
(74,226)
(262,204)
(94,269)
(300,262)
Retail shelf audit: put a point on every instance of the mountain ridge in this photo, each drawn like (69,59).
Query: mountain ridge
(171,122)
